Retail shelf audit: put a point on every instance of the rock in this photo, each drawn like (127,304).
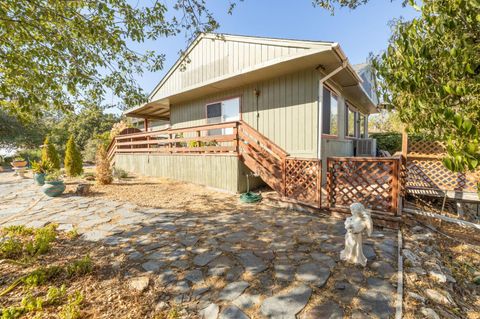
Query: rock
(369,252)
(442,298)
(326,310)
(194,276)
(324,259)
(345,292)
(65,227)
(287,303)
(162,305)
(438,276)
(411,258)
(167,277)
(210,312)
(375,300)
(139,283)
(94,235)
(152,266)
(232,312)
(205,258)
(246,301)
(82,189)
(384,269)
(180,264)
(313,273)
(416,297)
(429,313)
(233,290)
(251,263)
(182,287)
(189,241)
(284,272)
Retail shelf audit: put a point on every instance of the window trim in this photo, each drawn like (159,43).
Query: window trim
(219,100)
(337,96)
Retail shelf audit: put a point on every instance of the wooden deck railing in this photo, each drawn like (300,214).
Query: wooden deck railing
(203,139)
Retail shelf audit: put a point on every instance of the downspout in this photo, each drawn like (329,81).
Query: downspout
(320,104)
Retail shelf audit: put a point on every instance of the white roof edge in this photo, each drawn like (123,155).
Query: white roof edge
(242,38)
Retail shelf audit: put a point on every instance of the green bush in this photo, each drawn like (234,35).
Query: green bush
(30,155)
(119,173)
(49,154)
(73,159)
(391,141)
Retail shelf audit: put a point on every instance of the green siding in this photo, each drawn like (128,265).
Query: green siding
(287,108)
(217,171)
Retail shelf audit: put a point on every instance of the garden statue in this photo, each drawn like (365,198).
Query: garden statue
(355,225)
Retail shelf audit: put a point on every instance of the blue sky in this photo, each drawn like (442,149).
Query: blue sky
(358,31)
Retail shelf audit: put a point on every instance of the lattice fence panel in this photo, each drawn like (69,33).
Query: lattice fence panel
(370,181)
(430,173)
(426,148)
(303,180)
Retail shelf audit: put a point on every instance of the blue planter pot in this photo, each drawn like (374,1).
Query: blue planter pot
(39,178)
(53,188)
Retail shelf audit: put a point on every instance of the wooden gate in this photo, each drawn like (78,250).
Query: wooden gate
(303,180)
(372,181)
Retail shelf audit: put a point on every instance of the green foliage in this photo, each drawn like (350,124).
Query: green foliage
(73,159)
(50,155)
(10,248)
(80,267)
(430,73)
(88,48)
(72,309)
(391,142)
(41,275)
(41,167)
(30,154)
(119,173)
(42,240)
(54,175)
(20,132)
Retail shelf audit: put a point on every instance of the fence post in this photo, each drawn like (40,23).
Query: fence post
(319,182)
(329,183)
(284,176)
(395,186)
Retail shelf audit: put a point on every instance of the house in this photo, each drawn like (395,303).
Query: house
(236,104)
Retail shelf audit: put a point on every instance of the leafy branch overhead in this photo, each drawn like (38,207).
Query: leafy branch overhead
(63,54)
(430,74)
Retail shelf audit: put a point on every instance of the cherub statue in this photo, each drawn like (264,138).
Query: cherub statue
(355,225)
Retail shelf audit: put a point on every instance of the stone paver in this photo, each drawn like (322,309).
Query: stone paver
(271,263)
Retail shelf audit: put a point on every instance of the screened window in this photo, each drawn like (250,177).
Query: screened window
(330,113)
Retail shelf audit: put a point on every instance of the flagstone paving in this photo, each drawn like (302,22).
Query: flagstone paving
(265,263)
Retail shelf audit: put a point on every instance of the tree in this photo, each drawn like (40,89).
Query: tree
(73,158)
(50,155)
(15,133)
(63,54)
(430,74)
(102,166)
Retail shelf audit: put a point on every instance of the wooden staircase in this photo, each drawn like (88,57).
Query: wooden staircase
(262,156)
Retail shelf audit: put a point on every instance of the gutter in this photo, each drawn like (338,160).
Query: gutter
(320,98)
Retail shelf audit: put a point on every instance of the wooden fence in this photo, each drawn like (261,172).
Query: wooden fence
(372,181)
(303,180)
(426,174)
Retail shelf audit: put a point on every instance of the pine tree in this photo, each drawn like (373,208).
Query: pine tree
(102,166)
(50,155)
(73,159)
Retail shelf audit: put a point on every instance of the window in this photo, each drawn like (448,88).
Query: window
(330,113)
(351,121)
(223,111)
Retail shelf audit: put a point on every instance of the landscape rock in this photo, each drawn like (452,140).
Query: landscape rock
(286,304)
(139,283)
(416,296)
(251,263)
(442,298)
(233,290)
(429,313)
(313,273)
(210,312)
(246,301)
(194,276)
(326,310)
(232,312)
(205,258)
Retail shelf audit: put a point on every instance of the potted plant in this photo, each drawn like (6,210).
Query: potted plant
(19,162)
(39,170)
(54,185)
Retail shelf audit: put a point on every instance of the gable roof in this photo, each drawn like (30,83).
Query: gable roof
(214,62)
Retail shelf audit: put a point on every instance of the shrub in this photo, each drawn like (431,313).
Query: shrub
(30,155)
(102,167)
(49,154)
(54,175)
(391,142)
(73,159)
(119,173)
(41,167)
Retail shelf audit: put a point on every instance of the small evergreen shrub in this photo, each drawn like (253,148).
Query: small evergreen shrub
(102,167)
(119,173)
(73,159)
(49,154)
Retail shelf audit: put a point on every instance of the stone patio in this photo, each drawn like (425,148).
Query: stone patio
(255,262)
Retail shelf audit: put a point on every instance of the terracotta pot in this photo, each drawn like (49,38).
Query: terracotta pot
(39,178)
(19,163)
(53,188)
